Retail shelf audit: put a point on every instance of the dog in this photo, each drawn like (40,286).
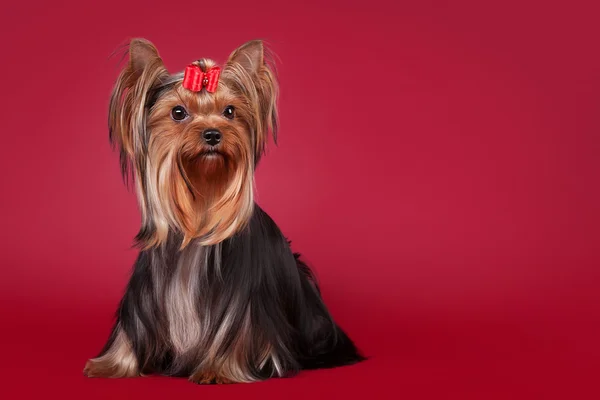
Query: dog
(216,293)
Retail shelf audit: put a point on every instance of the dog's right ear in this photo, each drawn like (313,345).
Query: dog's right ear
(127,110)
(141,54)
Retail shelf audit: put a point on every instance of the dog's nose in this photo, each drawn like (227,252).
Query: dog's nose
(212,137)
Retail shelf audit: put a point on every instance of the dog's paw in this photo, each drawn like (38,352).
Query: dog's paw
(98,368)
(91,369)
(209,378)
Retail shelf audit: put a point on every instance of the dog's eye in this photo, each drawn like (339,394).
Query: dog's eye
(178,113)
(229,112)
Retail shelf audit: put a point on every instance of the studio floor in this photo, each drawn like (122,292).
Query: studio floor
(45,345)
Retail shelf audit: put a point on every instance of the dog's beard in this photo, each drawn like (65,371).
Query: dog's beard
(207,195)
(225,199)
(209,174)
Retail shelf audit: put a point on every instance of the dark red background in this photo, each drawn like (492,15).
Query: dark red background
(438,167)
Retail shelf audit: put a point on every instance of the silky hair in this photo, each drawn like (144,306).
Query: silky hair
(216,293)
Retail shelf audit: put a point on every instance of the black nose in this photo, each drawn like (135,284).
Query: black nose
(212,137)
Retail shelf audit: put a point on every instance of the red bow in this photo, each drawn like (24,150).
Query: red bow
(194,79)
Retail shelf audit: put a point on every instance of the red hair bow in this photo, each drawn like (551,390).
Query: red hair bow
(194,79)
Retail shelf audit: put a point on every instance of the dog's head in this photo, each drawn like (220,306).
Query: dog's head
(191,141)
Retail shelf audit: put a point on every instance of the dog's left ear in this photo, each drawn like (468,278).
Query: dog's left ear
(252,65)
(126,114)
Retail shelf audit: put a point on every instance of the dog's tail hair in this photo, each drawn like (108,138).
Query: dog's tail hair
(330,346)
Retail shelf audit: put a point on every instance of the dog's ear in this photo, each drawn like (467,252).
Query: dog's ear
(249,56)
(127,114)
(141,54)
(254,70)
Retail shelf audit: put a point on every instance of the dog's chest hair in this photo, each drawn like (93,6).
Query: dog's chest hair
(181,301)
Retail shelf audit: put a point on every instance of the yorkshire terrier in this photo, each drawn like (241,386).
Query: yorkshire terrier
(216,293)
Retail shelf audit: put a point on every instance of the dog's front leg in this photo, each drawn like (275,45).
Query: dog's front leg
(117,361)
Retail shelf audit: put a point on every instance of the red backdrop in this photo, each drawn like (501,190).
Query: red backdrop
(438,167)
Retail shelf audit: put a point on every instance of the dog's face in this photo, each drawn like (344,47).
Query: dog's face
(192,154)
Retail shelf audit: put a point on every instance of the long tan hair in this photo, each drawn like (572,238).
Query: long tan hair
(179,191)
